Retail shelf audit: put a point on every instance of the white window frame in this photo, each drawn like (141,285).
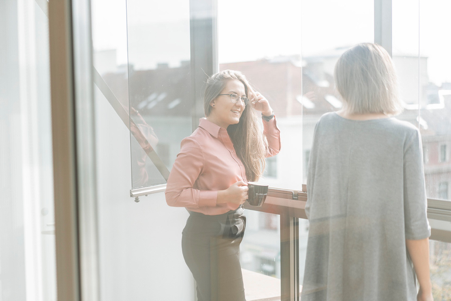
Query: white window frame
(425,154)
(440,152)
(439,189)
(74,156)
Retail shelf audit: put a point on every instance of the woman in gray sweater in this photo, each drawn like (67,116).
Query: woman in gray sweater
(368,234)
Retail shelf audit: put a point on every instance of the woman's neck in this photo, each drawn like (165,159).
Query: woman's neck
(217,122)
(367,116)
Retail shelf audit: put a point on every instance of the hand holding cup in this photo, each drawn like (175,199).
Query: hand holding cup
(236,193)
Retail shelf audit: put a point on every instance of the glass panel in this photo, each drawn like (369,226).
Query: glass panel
(141,51)
(27,233)
(411,71)
(260,254)
(269,55)
(159,85)
(322,45)
(303,239)
(440,259)
(423,62)
(290,60)
(434,116)
(144,59)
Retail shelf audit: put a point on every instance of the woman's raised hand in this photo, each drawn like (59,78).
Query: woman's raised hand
(237,193)
(260,103)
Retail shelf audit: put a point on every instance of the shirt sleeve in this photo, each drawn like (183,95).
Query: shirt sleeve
(272,134)
(187,168)
(415,200)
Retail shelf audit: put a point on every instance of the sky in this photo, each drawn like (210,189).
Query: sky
(254,29)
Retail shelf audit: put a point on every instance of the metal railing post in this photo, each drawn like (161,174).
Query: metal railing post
(289,257)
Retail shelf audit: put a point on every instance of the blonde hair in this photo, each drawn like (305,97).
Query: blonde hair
(366,80)
(246,136)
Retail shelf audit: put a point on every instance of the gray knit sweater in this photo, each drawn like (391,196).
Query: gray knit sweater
(366,196)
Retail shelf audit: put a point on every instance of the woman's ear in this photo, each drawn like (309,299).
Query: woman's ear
(212,103)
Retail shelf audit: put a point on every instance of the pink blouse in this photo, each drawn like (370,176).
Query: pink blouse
(207,162)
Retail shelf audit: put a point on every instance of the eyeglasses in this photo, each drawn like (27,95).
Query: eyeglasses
(234,98)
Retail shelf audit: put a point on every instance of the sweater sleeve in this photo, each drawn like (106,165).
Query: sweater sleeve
(187,168)
(415,201)
(311,171)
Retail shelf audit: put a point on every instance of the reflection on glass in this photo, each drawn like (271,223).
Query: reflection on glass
(147,71)
(27,224)
(143,110)
(423,61)
(440,259)
(303,239)
(159,86)
(255,257)
(294,70)
(143,138)
(260,253)
(321,48)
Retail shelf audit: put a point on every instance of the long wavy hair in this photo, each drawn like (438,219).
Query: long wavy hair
(246,136)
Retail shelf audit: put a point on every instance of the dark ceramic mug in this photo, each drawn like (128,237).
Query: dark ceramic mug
(256,194)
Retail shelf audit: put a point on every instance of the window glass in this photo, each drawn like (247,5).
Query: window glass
(290,61)
(443,190)
(425,154)
(141,55)
(159,86)
(423,62)
(322,45)
(271,168)
(440,259)
(145,62)
(27,226)
(410,67)
(443,153)
(260,255)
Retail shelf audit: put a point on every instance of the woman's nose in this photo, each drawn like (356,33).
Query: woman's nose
(240,103)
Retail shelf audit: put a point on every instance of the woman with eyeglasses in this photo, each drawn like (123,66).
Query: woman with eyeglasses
(209,178)
(366,197)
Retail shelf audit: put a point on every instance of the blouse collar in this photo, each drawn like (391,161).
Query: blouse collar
(210,127)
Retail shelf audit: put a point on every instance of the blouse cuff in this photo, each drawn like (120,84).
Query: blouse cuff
(270,126)
(207,198)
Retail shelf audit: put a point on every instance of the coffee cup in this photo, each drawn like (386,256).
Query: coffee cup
(256,194)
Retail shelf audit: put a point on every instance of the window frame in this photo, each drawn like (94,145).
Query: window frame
(425,154)
(444,189)
(440,145)
(73,140)
(204,57)
(74,155)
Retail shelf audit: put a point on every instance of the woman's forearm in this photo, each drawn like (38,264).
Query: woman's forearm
(419,253)
(222,197)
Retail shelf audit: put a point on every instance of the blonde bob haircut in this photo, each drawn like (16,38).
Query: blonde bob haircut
(366,80)
(247,136)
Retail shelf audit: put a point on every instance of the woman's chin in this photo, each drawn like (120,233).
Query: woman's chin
(235,120)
